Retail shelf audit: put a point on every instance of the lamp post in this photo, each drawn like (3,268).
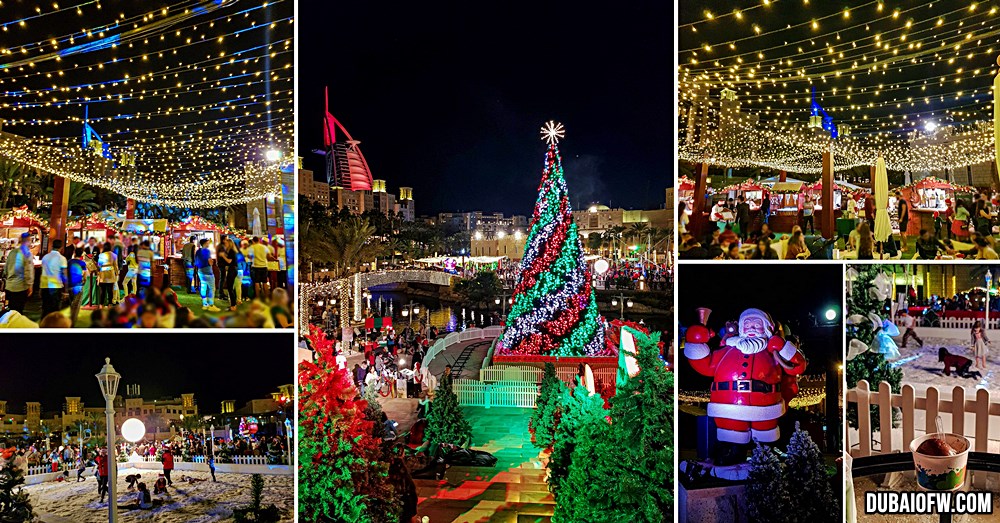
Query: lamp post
(623,301)
(288,440)
(504,299)
(989,280)
(411,309)
(108,380)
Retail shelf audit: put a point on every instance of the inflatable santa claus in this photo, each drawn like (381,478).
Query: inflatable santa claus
(749,370)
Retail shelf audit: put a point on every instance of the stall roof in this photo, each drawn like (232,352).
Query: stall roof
(787,187)
(685,184)
(746,185)
(775,179)
(22,217)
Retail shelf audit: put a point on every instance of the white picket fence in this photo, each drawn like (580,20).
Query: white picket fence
(534,375)
(472,393)
(979,406)
(956,323)
(39,469)
(236,460)
(454,338)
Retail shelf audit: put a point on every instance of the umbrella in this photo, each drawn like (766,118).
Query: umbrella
(882,228)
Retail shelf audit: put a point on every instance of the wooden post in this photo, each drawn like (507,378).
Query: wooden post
(871,180)
(60,209)
(826,198)
(130,209)
(783,176)
(698,207)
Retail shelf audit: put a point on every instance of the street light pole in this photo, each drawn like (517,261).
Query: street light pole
(503,300)
(411,309)
(989,281)
(623,301)
(108,380)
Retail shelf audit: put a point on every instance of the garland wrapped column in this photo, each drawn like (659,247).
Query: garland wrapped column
(554,312)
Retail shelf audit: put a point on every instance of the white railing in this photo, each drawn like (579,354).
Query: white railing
(472,393)
(534,375)
(930,406)
(39,469)
(238,460)
(453,338)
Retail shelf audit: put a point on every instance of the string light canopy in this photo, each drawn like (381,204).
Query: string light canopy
(185,103)
(912,80)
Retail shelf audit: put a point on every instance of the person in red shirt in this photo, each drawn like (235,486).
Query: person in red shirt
(102,473)
(168,464)
(960,363)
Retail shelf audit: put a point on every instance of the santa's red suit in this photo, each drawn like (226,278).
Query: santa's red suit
(749,371)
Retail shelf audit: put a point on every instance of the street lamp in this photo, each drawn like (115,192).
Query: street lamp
(623,301)
(504,299)
(989,281)
(411,307)
(108,380)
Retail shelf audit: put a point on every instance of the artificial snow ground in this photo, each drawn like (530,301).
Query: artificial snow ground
(921,367)
(200,502)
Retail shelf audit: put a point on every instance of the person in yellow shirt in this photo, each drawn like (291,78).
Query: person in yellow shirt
(272,263)
(258,267)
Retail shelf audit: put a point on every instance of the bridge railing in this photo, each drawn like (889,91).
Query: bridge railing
(455,338)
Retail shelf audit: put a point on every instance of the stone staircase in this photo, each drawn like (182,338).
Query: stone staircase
(513,491)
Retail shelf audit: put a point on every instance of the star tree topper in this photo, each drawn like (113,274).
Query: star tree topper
(552,132)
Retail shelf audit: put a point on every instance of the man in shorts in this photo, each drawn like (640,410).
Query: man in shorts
(258,267)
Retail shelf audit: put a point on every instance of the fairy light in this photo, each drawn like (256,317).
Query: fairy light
(177,95)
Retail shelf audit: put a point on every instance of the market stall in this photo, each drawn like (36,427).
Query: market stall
(926,197)
(17,222)
(685,191)
(155,231)
(785,205)
(98,225)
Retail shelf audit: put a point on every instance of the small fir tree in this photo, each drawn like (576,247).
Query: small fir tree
(870,365)
(805,474)
(588,491)
(546,415)
(15,507)
(767,496)
(578,409)
(446,422)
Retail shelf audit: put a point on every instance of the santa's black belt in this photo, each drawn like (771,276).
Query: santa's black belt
(746,386)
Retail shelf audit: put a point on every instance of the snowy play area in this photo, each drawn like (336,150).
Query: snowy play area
(193,498)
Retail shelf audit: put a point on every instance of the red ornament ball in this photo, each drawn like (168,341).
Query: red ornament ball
(699,334)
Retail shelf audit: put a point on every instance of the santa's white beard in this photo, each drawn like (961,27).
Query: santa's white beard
(747,345)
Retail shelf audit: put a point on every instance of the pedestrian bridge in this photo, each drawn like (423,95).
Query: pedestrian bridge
(349,291)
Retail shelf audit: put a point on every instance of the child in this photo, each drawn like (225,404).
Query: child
(960,363)
(160,485)
(980,344)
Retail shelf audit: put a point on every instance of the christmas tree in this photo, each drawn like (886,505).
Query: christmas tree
(445,421)
(341,475)
(554,311)
(805,472)
(546,415)
(14,504)
(767,496)
(623,471)
(866,301)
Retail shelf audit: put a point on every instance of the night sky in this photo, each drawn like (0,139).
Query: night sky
(788,293)
(448,97)
(214,367)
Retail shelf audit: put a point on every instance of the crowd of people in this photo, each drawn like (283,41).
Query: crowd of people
(114,280)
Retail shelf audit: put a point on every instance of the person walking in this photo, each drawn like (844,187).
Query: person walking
(102,473)
(206,275)
(258,262)
(144,262)
(980,344)
(187,254)
(279,253)
(211,466)
(743,217)
(910,323)
(808,208)
(228,258)
(54,279)
(903,217)
(130,283)
(168,457)
(107,264)
(20,273)
(77,276)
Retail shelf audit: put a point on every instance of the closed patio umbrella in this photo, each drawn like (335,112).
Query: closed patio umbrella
(883,230)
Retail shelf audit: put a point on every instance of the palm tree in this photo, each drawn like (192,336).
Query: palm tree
(16,179)
(615,235)
(595,241)
(352,245)
(638,231)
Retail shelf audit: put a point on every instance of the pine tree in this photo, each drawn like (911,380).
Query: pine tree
(546,415)
(623,472)
(14,504)
(578,409)
(805,475)
(554,311)
(341,475)
(871,365)
(766,492)
(446,422)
